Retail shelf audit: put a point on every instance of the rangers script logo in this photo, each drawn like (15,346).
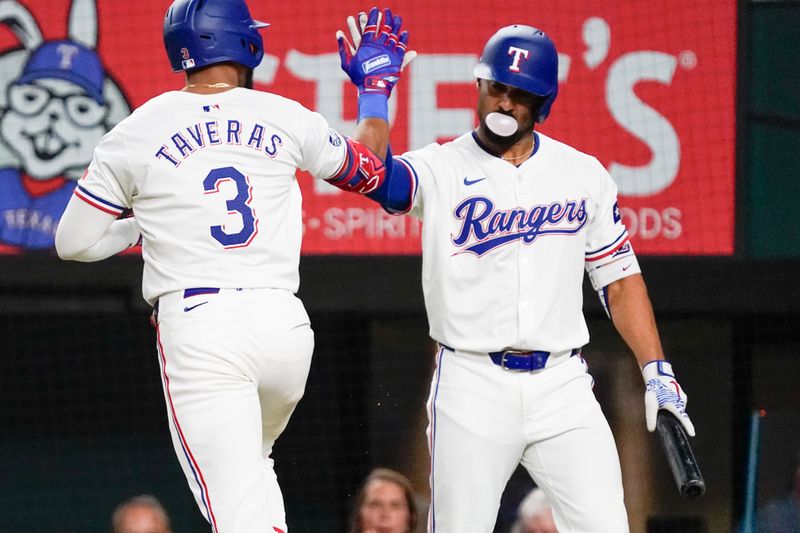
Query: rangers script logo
(484,228)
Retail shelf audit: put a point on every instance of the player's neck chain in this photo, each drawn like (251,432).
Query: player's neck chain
(523,156)
(220,85)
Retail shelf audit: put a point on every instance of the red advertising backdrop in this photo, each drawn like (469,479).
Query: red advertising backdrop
(646,87)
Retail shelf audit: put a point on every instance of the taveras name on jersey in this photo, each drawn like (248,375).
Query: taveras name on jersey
(212,133)
(211,179)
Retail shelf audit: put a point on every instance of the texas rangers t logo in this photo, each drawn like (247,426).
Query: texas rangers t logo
(519,54)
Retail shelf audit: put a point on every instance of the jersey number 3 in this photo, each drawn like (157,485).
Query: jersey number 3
(240,204)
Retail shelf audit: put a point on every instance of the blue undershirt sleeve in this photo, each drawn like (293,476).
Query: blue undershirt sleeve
(396,193)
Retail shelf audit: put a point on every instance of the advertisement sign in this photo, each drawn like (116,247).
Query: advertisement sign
(646,87)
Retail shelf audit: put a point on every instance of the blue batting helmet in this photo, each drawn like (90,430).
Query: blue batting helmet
(198,33)
(522,57)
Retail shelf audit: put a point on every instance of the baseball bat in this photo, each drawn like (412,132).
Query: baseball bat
(680,456)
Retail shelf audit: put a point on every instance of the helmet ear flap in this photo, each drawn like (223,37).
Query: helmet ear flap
(256,50)
(544,109)
(538,106)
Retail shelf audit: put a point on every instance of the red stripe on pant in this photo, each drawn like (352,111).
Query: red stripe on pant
(198,474)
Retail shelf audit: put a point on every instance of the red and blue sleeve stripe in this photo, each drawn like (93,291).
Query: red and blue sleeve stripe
(609,249)
(194,466)
(96,201)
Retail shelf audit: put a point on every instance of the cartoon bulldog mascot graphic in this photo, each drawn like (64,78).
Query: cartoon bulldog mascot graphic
(56,102)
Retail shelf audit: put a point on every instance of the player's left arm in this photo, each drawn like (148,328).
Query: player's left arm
(632,314)
(615,273)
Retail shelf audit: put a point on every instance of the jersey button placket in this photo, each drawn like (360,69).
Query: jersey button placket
(523,263)
(521,274)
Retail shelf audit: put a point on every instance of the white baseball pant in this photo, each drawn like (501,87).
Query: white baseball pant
(485,420)
(234,364)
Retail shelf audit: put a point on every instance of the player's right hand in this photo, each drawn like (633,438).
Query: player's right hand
(378,51)
(664,392)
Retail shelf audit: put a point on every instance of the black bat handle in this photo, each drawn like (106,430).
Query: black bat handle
(680,456)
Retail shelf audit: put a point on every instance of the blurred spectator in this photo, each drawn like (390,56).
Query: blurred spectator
(534,514)
(782,515)
(385,504)
(141,514)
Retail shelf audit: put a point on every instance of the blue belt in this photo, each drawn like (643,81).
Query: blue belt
(523,361)
(188,293)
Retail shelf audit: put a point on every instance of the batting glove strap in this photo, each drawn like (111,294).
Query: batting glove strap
(656,369)
(664,392)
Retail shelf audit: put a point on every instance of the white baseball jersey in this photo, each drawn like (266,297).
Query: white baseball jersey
(505,247)
(206,221)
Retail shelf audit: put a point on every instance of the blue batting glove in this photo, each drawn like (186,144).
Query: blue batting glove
(375,60)
(663,392)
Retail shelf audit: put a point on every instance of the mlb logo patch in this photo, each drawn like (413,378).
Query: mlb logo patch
(624,249)
(209,108)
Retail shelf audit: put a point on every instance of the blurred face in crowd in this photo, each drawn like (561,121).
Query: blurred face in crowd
(541,523)
(141,519)
(385,509)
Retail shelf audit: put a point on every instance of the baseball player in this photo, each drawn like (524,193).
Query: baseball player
(512,218)
(209,172)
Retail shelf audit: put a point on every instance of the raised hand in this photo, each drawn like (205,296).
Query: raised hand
(378,52)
